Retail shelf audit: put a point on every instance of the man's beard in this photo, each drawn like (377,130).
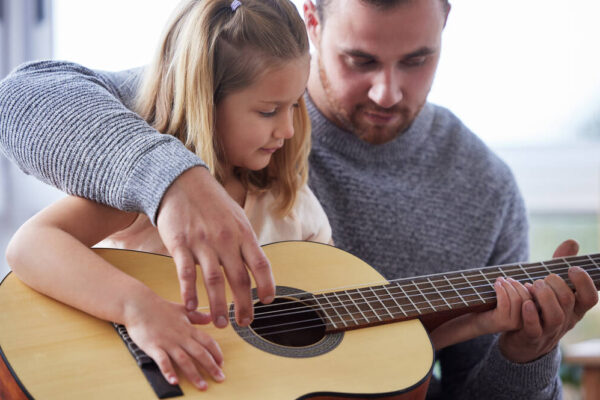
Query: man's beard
(351,121)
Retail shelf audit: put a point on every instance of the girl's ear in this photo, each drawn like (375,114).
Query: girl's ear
(311,20)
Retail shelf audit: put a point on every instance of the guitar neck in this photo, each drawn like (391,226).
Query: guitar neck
(437,298)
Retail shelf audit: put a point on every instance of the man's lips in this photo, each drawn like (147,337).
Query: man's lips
(381,117)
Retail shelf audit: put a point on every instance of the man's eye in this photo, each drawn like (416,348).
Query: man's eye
(415,61)
(361,62)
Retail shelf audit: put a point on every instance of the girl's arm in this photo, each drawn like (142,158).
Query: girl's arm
(510,296)
(51,253)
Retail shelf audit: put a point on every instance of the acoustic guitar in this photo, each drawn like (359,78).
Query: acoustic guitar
(364,338)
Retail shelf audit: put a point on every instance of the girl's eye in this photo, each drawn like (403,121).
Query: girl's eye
(268,113)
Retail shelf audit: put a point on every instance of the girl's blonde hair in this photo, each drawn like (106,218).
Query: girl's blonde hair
(211,49)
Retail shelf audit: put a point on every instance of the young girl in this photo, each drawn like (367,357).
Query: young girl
(228,81)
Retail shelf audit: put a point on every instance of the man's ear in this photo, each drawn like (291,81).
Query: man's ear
(311,20)
(447,10)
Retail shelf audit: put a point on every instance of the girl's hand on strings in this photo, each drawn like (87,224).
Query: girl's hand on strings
(166,332)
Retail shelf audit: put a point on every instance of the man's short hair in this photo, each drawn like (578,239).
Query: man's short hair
(383,5)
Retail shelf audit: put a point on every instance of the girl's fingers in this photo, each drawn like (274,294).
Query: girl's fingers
(183,359)
(211,346)
(206,360)
(164,364)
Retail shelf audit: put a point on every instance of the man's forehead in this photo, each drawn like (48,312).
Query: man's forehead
(393,33)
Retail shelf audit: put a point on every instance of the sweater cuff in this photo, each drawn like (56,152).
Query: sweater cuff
(154,173)
(536,375)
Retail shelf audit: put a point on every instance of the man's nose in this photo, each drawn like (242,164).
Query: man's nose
(386,89)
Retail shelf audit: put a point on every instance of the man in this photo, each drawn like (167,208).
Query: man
(406,186)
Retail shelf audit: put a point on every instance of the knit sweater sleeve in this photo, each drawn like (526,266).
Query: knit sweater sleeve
(477,369)
(71,128)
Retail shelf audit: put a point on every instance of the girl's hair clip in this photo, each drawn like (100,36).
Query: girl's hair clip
(235,4)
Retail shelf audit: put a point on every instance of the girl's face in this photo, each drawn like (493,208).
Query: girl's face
(253,123)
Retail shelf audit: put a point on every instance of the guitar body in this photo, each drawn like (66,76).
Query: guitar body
(54,351)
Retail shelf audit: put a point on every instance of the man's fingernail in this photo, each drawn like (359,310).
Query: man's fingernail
(539,284)
(191,306)
(269,299)
(221,322)
(246,321)
(530,307)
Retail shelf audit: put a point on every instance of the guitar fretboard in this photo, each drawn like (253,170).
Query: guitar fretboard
(417,297)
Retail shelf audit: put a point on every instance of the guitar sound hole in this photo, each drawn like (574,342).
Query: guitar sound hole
(288,322)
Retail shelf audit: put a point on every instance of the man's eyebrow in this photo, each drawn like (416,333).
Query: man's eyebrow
(358,53)
(423,51)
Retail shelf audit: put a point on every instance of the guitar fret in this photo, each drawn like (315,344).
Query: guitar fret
(544,265)
(486,279)
(457,292)
(382,303)
(358,307)
(470,284)
(395,301)
(345,308)
(526,273)
(438,292)
(408,297)
(325,312)
(369,304)
(335,309)
(593,262)
(423,295)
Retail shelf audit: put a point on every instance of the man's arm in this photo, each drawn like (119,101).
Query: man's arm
(477,369)
(69,126)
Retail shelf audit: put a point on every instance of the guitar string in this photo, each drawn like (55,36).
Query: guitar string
(517,268)
(437,291)
(470,285)
(386,297)
(307,308)
(346,323)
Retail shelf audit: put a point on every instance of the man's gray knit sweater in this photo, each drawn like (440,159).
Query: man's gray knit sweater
(435,199)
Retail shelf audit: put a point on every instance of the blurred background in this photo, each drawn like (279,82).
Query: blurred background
(524,76)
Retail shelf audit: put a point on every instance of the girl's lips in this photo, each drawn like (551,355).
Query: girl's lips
(270,149)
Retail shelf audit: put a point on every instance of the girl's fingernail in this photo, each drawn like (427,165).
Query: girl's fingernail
(202,385)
